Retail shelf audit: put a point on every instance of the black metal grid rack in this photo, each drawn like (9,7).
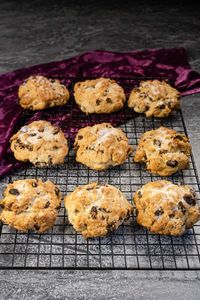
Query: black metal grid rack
(131,246)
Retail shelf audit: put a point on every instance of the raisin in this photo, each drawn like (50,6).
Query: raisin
(47,204)
(14,192)
(99,150)
(162,106)
(172,163)
(170,104)
(76,211)
(57,191)
(56,130)
(102,209)
(181,207)
(159,212)
(37,227)
(21,145)
(89,188)
(32,134)
(179,137)
(163,151)
(172,215)
(98,102)
(189,200)
(29,147)
(139,193)
(108,100)
(94,212)
(34,184)
(157,143)
(80,137)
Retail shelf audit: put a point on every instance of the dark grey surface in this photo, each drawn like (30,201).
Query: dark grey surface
(100,285)
(34,32)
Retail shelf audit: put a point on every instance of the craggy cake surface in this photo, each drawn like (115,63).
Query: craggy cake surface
(164,151)
(96,210)
(166,208)
(30,204)
(39,92)
(101,146)
(40,143)
(102,95)
(154,98)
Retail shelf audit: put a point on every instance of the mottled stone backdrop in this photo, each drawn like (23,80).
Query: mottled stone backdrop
(38,31)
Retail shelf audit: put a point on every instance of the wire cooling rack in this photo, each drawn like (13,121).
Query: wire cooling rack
(131,247)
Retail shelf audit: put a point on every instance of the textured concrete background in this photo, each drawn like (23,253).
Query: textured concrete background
(33,32)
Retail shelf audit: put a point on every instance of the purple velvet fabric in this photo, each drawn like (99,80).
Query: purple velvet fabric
(168,63)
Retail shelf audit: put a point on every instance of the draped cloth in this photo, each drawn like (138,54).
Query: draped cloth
(159,63)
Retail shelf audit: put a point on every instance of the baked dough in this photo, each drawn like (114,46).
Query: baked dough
(101,146)
(164,151)
(96,210)
(154,98)
(165,208)
(102,95)
(30,204)
(39,92)
(40,143)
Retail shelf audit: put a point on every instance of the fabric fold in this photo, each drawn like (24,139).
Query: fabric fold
(171,64)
